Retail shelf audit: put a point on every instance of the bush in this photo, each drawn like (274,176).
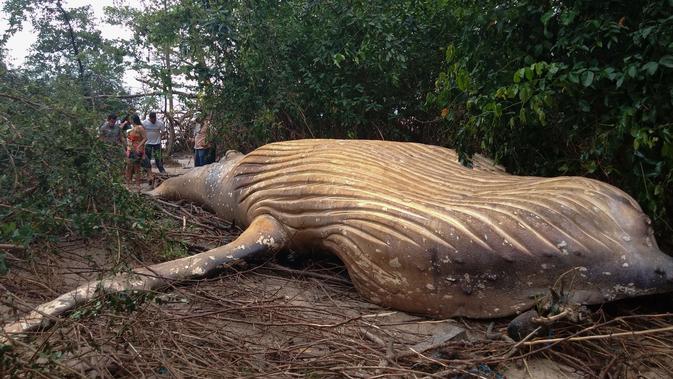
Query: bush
(56,178)
(575,88)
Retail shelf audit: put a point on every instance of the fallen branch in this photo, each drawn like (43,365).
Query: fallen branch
(21,99)
(10,247)
(550,320)
(600,336)
(132,96)
(137,95)
(37,105)
(154,85)
(309,274)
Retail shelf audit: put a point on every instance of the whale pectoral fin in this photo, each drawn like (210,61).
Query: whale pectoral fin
(265,235)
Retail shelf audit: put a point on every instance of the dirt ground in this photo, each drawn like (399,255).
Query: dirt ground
(288,317)
(248,320)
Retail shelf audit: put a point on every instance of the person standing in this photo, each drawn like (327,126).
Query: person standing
(201,144)
(155,130)
(110,131)
(135,150)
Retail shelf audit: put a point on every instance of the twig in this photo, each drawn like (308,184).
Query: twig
(550,320)
(600,336)
(11,247)
(309,274)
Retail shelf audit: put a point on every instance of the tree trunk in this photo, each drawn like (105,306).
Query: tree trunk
(75,49)
(169,94)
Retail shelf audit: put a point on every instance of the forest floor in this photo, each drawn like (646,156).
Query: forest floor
(293,316)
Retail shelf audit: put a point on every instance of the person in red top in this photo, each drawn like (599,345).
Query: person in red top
(135,150)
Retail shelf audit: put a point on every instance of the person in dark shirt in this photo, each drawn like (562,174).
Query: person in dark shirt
(110,131)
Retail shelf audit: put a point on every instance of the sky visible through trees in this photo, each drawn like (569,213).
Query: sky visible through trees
(18,46)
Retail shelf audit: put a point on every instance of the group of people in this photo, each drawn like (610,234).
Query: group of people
(142,142)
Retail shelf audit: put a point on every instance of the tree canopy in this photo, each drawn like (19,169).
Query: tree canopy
(546,88)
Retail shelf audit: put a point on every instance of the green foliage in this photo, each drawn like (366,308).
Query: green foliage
(8,360)
(3,264)
(121,302)
(579,88)
(56,178)
(174,250)
(68,46)
(545,87)
(278,70)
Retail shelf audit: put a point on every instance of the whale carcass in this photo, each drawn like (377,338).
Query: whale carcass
(416,230)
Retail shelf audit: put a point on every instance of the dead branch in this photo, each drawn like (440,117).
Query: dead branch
(600,336)
(11,247)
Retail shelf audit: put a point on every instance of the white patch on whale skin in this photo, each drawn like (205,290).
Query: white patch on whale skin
(430,287)
(267,241)
(394,263)
(562,246)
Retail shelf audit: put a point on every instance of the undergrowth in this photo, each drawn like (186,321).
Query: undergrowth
(57,180)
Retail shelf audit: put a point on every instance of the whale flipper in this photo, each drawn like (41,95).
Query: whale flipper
(265,235)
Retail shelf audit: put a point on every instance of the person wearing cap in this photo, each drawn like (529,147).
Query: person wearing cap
(155,129)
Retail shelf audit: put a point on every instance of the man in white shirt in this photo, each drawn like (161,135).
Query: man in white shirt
(155,130)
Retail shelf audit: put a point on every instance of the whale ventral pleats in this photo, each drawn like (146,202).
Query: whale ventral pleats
(404,217)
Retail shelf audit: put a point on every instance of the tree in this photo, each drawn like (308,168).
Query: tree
(155,37)
(68,45)
(275,70)
(578,88)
